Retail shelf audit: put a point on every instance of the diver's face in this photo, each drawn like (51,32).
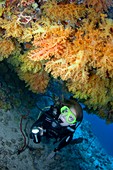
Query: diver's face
(63,119)
(67,116)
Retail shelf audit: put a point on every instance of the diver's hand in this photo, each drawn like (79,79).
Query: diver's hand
(51,155)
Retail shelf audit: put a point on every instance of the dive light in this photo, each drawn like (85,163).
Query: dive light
(35,131)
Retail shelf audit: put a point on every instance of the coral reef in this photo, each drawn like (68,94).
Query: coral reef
(61,40)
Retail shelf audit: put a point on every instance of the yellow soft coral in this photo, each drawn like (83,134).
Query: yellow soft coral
(72,67)
(37,82)
(105,64)
(98,46)
(63,12)
(6,48)
(13,28)
(96,91)
(28,65)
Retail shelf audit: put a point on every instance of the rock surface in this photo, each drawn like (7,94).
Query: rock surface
(86,155)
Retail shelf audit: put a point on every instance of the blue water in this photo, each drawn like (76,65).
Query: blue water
(103,131)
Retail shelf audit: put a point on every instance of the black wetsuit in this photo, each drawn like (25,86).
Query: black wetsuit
(49,122)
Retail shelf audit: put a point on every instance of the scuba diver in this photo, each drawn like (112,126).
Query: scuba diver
(59,122)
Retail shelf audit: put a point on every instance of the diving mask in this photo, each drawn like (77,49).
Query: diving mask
(68,115)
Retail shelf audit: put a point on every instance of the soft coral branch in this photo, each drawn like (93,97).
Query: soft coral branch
(49,44)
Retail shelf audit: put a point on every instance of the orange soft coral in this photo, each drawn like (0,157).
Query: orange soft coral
(71,55)
(49,44)
(60,55)
(99,5)
(37,82)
